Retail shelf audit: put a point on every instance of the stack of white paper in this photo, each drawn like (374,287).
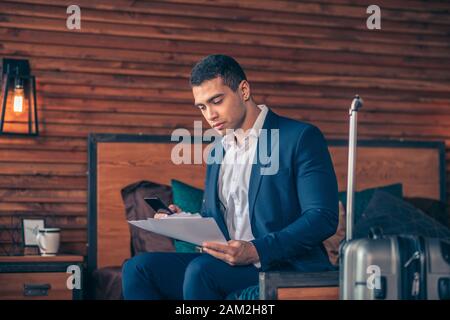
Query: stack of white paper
(184,226)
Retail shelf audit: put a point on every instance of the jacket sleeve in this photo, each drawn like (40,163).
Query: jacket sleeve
(203,212)
(317,192)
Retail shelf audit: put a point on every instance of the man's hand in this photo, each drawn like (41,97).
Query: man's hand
(235,253)
(173,207)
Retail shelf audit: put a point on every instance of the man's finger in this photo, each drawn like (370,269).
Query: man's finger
(219,247)
(174,208)
(219,255)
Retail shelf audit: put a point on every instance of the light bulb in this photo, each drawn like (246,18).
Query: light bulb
(18,100)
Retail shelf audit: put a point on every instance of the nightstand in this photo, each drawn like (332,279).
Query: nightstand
(40,278)
(286,285)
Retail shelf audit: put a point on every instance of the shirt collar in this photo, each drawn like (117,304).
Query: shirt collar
(229,139)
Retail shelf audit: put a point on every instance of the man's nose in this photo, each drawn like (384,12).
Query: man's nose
(211,114)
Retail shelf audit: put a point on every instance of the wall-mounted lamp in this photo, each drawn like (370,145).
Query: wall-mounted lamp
(19,107)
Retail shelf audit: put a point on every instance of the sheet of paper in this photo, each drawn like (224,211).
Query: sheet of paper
(193,230)
(181,215)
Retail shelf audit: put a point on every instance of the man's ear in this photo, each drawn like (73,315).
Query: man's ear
(245,90)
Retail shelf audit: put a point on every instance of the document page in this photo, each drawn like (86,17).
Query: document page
(194,229)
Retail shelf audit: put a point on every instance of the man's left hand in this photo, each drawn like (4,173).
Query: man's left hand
(235,252)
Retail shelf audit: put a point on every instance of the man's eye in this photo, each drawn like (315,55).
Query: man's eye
(217,101)
(201,107)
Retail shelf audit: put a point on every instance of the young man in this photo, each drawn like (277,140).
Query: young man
(274,221)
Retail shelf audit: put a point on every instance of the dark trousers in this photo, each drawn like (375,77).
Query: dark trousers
(189,276)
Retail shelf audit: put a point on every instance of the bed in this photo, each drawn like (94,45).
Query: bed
(116,161)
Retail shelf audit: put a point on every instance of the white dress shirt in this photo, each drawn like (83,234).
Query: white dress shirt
(234,178)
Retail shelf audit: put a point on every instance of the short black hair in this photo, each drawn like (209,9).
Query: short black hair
(218,65)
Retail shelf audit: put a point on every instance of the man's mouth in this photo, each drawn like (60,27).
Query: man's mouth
(219,125)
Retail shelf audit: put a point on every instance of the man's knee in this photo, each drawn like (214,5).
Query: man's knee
(199,275)
(200,266)
(138,267)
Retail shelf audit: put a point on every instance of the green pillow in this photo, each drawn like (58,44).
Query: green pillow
(190,200)
(362,198)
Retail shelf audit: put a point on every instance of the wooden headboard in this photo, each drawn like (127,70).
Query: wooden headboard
(116,161)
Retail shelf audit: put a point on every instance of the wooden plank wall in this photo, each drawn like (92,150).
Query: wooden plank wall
(126,71)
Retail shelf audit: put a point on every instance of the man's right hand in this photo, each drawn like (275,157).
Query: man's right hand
(173,207)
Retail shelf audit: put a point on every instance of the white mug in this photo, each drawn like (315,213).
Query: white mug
(48,241)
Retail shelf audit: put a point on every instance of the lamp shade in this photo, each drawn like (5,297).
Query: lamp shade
(18,99)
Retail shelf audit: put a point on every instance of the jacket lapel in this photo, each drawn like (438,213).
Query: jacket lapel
(215,169)
(271,122)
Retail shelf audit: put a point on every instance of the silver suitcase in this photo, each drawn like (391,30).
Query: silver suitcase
(437,269)
(395,268)
(389,267)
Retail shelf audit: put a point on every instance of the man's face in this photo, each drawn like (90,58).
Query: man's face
(222,107)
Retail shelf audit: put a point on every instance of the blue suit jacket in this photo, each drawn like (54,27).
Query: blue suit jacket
(293,211)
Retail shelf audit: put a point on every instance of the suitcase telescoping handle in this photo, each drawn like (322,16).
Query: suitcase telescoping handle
(357,103)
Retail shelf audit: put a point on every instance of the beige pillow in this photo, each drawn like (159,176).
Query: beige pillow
(333,242)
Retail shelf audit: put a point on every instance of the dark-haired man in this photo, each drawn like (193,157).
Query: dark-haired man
(271,221)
